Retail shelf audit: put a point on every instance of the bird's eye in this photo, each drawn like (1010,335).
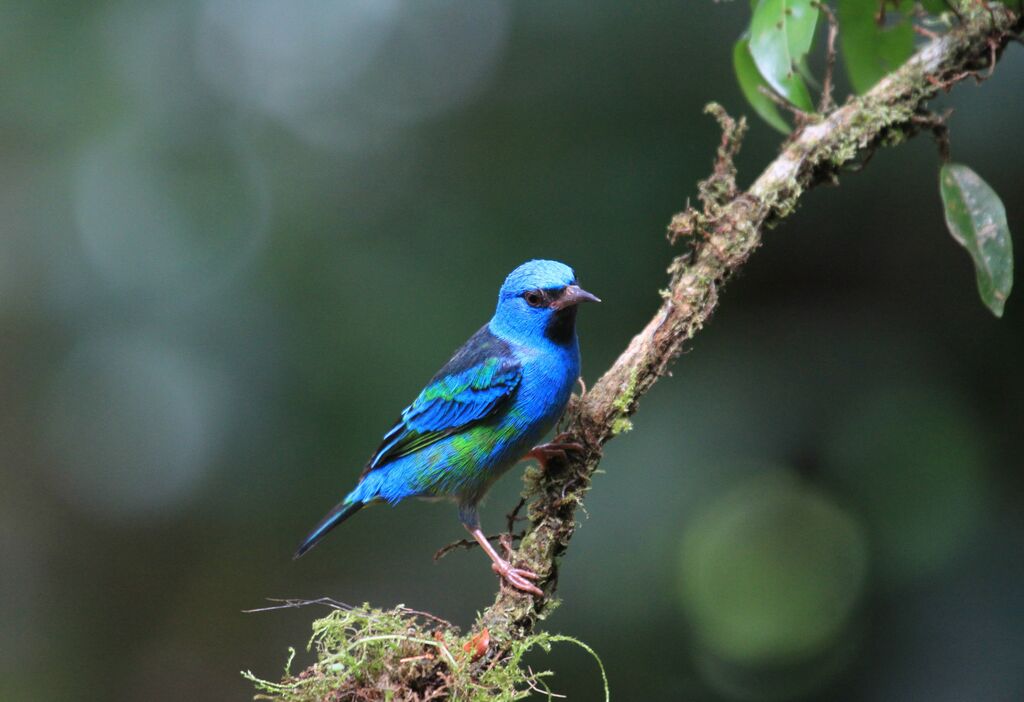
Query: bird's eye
(534,298)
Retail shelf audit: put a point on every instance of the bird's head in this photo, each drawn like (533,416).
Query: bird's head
(538,299)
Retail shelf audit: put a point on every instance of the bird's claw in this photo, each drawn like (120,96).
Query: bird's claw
(583,387)
(558,449)
(519,578)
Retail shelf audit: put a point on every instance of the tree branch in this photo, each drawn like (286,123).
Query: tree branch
(415,657)
(722,235)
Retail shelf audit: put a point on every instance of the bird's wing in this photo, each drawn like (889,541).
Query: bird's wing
(470,387)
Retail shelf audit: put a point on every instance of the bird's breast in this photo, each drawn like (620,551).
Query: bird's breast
(546,385)
(473,459)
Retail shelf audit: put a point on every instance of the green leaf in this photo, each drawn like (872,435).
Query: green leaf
(977,220)
(871,51)
(935,7)
(750,80)
(781,32)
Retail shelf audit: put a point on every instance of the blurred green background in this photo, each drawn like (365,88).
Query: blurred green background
(238,236)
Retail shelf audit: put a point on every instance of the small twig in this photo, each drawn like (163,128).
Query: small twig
(292,603)
(531,683)
(948,83)
(423,657)
(826,103)
(426,615)
(461,543)
(937,125)
(993,58)
(799,116)
(721,187)
(295,602)
(506,543)
(471,543)
(512,517)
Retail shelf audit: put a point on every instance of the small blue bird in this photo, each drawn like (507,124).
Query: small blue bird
(484,410)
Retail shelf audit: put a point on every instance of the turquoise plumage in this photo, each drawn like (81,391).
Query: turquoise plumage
(501,392)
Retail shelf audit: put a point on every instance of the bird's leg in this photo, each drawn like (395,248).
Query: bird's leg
(519,578)
(557,449)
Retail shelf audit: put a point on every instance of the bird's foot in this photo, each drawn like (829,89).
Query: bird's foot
(559,449)
(519,578)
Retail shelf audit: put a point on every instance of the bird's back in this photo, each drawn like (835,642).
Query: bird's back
(463,464)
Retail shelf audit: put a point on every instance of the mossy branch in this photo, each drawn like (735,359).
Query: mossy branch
(402,655)
(721,236)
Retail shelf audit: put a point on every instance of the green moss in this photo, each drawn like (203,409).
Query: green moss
(620,425)
(624,402)
(398,655)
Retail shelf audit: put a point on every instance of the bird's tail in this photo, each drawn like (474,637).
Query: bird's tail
(342,511)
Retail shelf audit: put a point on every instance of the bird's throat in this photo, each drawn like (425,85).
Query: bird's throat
(561,327)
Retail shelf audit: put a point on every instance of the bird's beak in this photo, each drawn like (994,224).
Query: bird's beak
(573,295)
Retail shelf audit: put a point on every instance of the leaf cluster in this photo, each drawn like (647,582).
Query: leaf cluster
(875,37)
(770,58)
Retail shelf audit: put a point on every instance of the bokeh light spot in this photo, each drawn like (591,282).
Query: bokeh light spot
(913,462)
(282,59)
(168,219)
(771,573)
(132,426)
(350,74)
